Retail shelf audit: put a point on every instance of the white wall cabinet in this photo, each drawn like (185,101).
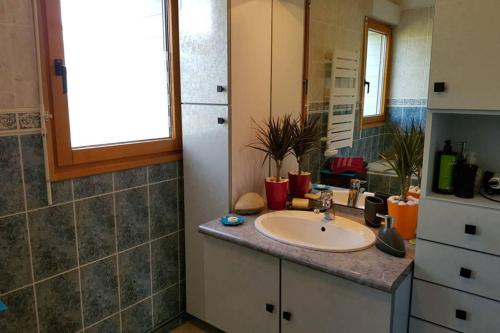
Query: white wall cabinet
(204,141)
(203,45)
(458,253)
(226,69)
(465,53)
(241,284)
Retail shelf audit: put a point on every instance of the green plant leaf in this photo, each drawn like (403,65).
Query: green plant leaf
(406,155)
(274,138)
(306,134)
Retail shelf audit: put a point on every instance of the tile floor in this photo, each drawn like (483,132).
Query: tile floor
(193,325)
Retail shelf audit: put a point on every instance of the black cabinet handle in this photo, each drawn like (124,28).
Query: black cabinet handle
(465,273)
(367,84)
(439,87)
(287,315)
(461,314)
(60,70)
(221,120)
(470,229)
(269,308)
(220,88)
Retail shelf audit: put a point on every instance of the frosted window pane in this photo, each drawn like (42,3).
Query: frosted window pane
(375,71)
(116,59)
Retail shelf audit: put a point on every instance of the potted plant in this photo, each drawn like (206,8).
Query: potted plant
(415,190)
(405,159)
(275,139)
(306,135)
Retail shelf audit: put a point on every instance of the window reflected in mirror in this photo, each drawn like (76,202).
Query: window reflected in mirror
(377,44)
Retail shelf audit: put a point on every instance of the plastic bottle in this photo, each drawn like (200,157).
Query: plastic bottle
(443,169)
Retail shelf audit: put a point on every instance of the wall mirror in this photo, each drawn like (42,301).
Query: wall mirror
(367,68)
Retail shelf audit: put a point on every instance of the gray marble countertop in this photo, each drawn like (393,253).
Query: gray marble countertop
(370,267)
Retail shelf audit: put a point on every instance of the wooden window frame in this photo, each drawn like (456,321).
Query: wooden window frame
(383,28)
(66,162)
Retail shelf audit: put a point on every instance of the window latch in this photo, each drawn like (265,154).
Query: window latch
(60,70)
(367,84)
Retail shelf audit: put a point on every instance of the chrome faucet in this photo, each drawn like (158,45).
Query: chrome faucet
(328,205)
(354,191)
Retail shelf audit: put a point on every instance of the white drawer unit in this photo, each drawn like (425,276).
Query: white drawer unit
(454,309)
(470,271)
(457,261)
(461,225)
(420,326)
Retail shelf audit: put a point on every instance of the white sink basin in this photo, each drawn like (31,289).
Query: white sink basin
(311,231)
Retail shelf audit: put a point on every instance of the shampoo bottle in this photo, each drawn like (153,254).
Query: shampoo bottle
(443,169)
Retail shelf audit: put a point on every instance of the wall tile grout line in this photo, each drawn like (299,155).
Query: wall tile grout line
(13,214)
(71,191)
(20,109)
(150,247)
(86,198)
(16,132)
(32,268)
(90,263)
(134,304)
(101,320)
(117,254)
(55,275)
(17,289)
(77,253)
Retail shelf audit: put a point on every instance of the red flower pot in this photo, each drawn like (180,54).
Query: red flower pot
(276,193)
(299,184)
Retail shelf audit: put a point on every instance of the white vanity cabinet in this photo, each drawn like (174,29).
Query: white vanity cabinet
(465,53)
(320,302)
(250,291)
(241,288)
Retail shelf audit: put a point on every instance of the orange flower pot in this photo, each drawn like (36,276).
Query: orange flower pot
(405,218)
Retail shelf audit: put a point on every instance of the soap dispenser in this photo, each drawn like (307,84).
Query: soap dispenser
(388,239)
(443,169)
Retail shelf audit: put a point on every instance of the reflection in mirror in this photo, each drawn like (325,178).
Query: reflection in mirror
(397,58)
(377,49)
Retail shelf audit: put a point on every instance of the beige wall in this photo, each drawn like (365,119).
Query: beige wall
(250,41)
(287,63)
(411,54)
(333,25)
(18,70)
(266,79)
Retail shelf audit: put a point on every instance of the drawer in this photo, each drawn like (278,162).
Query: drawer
(440,305)
(446,223)
(448,266)
(420,326)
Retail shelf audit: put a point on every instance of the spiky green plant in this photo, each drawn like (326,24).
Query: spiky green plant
(306,134)
(419,132)
(275,139)
(406,155)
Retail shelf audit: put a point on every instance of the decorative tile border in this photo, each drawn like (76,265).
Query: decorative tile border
(8,122)
(407,102)
(29,120)
(19,121)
